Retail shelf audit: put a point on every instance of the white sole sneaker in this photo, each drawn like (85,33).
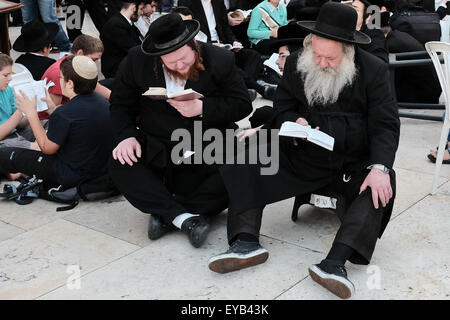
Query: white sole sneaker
(340,286)
(227,262)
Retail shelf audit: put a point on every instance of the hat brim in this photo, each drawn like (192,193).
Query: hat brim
(21,46)
(276,44)
(359,37)
(148,46)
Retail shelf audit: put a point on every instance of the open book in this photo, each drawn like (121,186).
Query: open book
(272,63)
(267,19)
(243,14)
(231,47)
(35,88)
(292,129)
(157,93)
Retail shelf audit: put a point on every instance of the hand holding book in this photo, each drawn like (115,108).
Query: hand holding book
(296,130)
(188,108)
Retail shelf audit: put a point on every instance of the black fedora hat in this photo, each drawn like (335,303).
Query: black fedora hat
(290,34)
(169,33)
(336,21)
(35,35)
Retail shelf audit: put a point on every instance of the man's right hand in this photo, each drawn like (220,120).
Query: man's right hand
(274,33)
(128,151)
(233,21)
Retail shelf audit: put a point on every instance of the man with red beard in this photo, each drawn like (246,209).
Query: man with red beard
(343,90)
(178,196)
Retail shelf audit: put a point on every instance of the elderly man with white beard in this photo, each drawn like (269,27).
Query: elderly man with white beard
(344,91)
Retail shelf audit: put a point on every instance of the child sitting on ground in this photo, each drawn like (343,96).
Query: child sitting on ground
(14,129)
(78,143)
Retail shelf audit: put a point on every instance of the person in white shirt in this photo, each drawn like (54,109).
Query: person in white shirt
(145,19)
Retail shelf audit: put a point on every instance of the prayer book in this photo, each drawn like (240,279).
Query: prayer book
(272,63)
(267,19)
(35,88)
(231,47)
(157,93)
(243,14)
(292,129)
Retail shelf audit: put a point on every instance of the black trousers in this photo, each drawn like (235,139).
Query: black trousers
(96,9)
(29,162)
(250,192)
(171,191)
(360,225)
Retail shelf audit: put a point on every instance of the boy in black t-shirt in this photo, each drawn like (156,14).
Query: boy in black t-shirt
(78,143)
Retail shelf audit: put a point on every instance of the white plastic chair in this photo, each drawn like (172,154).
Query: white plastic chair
(443,72)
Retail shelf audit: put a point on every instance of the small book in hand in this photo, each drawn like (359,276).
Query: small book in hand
(292,129)
(157,93)
(231,47)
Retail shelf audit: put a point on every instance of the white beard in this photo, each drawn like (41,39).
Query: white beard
(323,86)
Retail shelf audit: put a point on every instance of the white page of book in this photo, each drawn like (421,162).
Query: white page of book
(35,88)
(292,129)
(272,63)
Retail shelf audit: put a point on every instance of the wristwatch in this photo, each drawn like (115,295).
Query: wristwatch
(380,167)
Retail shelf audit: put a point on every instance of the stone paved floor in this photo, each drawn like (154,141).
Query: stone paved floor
(42,251)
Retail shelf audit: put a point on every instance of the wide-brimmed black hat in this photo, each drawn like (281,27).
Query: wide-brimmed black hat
(35,35)
(169,33)
(290,34)
(336,21)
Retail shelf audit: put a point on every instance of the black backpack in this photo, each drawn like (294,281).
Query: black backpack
(97,188)
(423,26)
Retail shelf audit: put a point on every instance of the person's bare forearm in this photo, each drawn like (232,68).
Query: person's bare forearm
(38,130)
(104,91)
(10,124)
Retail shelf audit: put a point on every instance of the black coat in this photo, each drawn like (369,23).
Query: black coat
(364,121)
(37,65)
(118,36)
(225,101)
(220,13)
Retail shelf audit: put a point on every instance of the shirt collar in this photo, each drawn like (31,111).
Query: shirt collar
(272,7)
(129,21)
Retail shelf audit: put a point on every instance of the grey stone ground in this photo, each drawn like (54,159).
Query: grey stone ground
(42,250)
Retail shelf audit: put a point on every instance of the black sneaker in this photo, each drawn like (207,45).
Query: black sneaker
(157,228)
(242,254)
(196,228)
(332,275)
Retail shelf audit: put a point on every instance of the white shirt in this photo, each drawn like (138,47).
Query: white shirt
(209,13)
(173,85)
(227,4)
(128,19)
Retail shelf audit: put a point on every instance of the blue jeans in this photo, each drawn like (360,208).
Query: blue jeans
(31,11)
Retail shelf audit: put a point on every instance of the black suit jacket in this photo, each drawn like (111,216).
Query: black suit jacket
(220,13)
(118,37)
(37,65)
(225,101)
(364,120)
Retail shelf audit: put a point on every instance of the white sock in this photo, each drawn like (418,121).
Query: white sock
(178,221)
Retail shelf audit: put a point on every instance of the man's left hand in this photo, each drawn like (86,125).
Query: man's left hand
(237,44)
(188,108)
(380,184)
